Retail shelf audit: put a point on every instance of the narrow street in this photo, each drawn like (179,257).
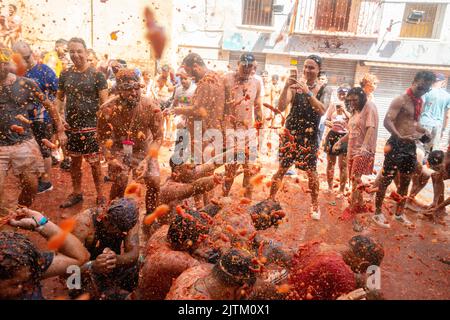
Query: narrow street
(410,270)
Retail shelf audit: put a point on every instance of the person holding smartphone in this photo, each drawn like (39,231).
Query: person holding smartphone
(299,143)
(336,119)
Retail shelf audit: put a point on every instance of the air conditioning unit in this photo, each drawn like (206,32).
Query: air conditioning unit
(278,8)
(415,17)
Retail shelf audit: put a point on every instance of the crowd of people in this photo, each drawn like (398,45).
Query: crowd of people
(70,102)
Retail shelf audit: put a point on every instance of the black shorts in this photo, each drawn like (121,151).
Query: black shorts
(330,141)
(82,143)
(302,153)
(401,157)
(43,130)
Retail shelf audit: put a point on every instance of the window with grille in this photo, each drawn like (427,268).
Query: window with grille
(333,15)
(419,20)
(257,12)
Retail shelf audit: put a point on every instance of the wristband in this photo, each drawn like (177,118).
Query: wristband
(41,223)
(310,94)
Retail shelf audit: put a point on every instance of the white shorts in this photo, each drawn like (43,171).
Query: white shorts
(24,157)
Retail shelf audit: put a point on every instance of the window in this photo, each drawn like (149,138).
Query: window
(421,20)
(257,12)
(333,15)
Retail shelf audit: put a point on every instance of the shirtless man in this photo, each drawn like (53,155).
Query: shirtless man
(112,239)
(402,121)
(243,105)
(207,106)
(230,278)
(130,129)
(209,98)
(168,254)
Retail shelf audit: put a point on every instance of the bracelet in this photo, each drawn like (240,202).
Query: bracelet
(40,225)
(310,94)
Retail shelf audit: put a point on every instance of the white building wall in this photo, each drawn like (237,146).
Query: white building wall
(46,21)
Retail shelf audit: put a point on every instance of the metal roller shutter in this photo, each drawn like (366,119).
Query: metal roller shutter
(260,58)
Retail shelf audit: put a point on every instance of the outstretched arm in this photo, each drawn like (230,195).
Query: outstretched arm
(71,252)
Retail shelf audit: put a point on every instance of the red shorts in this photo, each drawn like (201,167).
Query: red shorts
(361,164)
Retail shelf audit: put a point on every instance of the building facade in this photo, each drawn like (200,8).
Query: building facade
(392,39)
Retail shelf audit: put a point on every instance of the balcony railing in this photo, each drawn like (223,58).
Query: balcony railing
(344,17)
(257,12)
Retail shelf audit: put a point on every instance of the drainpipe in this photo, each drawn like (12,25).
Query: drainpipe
(92,24)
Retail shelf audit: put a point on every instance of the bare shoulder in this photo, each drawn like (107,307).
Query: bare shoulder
(398,102)
(149,103)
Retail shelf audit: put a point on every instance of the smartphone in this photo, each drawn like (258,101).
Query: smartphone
(293,74)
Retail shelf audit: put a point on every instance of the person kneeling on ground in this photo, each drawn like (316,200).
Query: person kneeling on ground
(230,278)
(168,254)
(111,269)
(319,271)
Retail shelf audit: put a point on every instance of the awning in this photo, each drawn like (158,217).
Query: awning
(405,66)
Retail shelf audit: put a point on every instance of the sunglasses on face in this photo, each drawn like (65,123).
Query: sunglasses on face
(129,86)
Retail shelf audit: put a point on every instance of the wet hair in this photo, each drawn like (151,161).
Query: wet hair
(263,216)
(316,59)
(78,40)
(122,62)
(234,268)
(368,250)
(123,214)
(368,78)
(362,97)
(61,42)
(183,230)
(18,251)
(91,51)
(211,209)
(426,76)
(193,58)
(436,157)
(124,75)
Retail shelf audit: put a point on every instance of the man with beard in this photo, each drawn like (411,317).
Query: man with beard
(402,121)
(230,278)
(18,148)
(130,129)
(85,90)
(243,106)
